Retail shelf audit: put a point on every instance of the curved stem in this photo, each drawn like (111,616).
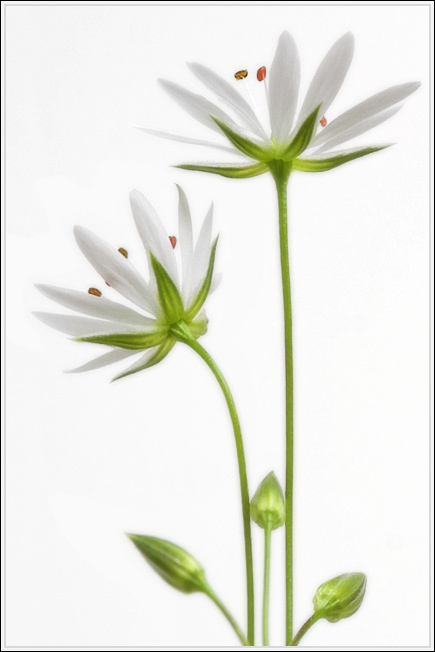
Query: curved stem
(243,478)
(281,176)
(228,616)
(267,535)
(304,629)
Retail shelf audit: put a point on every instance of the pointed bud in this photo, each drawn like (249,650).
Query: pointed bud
(268,504)
(341,597)
(172,563)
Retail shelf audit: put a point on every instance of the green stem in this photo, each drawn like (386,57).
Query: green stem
(267,535)
(243,478)
(228,616)
(304,629)
(281,175)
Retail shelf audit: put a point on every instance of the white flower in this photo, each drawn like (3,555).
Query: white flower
(167,308)
(286,136)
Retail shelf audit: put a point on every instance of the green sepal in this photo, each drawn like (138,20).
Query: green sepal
(158,356)
(243,144)
(203,291)
(174,564)
(324,164)
(340,597)
(169,297)
(132,341)
(236,172)
(198,327)
(303,137)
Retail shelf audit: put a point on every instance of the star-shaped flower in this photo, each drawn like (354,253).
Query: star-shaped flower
(303,140)
(168,309)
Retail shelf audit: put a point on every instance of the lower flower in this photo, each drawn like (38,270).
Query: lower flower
(170,304)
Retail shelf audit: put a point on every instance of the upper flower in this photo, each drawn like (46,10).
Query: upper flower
(289,133)
(175,305)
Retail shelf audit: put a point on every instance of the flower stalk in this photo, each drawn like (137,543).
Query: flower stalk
(304,629)
(281,172)
(266,583)
(181,334)
(244,641)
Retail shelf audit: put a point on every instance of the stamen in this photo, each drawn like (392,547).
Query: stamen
(108,284)
(94,292)
(261,77)
(123,251)
(241,74)
(323,121)
(261,73)
(173,241)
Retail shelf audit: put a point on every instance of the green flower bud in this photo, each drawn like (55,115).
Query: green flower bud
(172,563)
(341,597)
(268,504)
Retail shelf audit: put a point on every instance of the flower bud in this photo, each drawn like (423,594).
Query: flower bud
(268,504)
(341,597)
(172,563)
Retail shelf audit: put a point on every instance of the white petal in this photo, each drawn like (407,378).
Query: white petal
(116,270)
(94,306)
(183,139)
(186,241)
(329,77)
(363,110)
(202,254)
(153,233)
(146,357)
(196,105)
(103,360)
(216,281)
(84,326)
(360,128)
(225,91)
(283,87)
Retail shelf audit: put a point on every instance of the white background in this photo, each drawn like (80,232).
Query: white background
(88,460)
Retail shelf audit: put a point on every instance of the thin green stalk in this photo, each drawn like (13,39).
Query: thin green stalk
(267,536)
(304,629)
(243,478)
(281,175)
(228,616)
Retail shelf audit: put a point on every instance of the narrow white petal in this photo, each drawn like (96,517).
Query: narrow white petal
(202,254)
(186,240)
(329,77)
(146,357)
(283,87)
(225,91)
(102,361)
(366,109)
(153,233)
(196,105)
(94,306)
(116,270)
(216,281)
(235,164)
(360,128)
(85,326)
(184,139)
